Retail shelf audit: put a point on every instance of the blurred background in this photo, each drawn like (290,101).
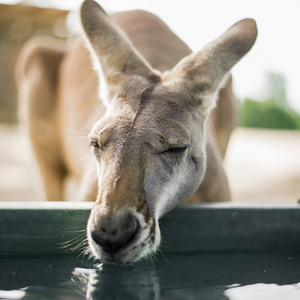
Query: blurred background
(263,158)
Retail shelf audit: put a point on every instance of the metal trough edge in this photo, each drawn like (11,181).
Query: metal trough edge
(48,228)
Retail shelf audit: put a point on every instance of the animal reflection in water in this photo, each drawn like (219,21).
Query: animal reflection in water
(114,283)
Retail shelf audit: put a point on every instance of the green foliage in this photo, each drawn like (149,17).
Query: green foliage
(267,115)
(273,111)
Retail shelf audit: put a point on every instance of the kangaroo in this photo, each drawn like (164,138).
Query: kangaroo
(156,135)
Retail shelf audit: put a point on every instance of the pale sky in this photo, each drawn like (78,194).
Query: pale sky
(277,48)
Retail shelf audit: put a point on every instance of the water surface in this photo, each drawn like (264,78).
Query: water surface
(191,275)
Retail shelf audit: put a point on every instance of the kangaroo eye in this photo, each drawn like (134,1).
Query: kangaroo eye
(94,144)
(176,150)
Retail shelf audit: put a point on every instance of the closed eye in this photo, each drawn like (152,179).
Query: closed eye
(175,150)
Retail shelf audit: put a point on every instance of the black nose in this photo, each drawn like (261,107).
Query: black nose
(113,233)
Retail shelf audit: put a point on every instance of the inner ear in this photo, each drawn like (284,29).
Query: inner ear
(203,73)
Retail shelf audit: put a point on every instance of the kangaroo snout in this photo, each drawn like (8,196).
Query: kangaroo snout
(122,234)
(114,232)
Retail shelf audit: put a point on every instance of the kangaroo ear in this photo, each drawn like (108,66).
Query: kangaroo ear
(112,52)
(203,73)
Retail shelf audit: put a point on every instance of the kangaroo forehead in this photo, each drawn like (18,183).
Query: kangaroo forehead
(154,130)
(150,115)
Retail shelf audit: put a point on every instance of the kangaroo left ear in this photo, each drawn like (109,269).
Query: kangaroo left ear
(203,73)
(118,59)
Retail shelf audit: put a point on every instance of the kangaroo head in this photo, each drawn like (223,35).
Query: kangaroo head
(150,145)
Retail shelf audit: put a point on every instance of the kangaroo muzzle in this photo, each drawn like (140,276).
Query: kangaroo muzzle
(123,235)
(115,231)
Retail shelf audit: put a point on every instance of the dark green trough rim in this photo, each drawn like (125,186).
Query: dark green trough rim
(48,228)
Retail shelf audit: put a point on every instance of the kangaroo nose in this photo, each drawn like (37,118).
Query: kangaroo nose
(113,233)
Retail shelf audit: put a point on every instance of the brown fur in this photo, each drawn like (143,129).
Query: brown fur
(158,96)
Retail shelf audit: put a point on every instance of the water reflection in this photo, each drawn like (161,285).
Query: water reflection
(261,291)
(189,276)
(186,276)
(114,282)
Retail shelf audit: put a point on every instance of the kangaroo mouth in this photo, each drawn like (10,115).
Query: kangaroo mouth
(134,243)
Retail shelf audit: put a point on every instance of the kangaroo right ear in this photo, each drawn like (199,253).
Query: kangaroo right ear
(203,73)
(115,56)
